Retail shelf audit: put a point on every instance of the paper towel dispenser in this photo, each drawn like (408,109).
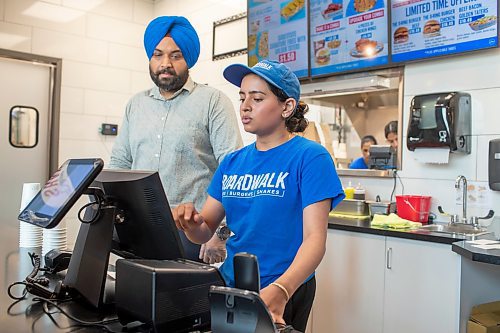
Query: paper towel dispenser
(440,120)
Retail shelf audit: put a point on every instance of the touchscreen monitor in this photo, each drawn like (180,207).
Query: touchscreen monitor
(62,190)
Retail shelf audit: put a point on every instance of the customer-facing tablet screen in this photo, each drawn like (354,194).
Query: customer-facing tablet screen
(62,190)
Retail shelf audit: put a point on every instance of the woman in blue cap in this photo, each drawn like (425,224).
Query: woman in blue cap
(275,193)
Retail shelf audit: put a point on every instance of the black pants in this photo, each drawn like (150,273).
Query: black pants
(298,308)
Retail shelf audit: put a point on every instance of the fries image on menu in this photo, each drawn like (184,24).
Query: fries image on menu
(252,42)
(483,22)
(263,51)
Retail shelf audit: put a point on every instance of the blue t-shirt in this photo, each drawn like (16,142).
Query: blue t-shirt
(358,163)
(264,194)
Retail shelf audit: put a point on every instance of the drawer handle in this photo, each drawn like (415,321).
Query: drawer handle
(389,258)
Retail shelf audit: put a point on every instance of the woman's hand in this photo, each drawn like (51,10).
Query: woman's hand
(275,300)
(186,217)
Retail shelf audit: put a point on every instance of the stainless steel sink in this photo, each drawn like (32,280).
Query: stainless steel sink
(457,229)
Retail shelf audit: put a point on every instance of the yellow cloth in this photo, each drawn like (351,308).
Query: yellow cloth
(392,221)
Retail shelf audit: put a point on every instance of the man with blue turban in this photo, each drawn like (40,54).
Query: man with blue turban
(179,128)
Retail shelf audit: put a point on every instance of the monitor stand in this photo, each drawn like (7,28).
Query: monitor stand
(88,266)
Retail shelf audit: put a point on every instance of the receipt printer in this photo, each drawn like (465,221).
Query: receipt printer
(382,157)
(168,295)
(440,120)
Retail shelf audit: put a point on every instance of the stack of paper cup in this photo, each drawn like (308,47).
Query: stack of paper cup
(30,236)
(54,238)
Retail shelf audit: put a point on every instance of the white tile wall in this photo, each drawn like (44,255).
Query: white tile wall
(70,148)
(485,108)
(56,2)
(143,11)
(45,15)
(71,127)
(72,100)
(115,30)
(121,9)
(15,37)
(82,75)
(127,57)
(206,47)
(460,73)
(105,103)
(69,46)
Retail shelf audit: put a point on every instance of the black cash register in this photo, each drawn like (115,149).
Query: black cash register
(129,215)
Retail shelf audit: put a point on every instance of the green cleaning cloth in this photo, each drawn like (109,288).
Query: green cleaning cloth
(392,221)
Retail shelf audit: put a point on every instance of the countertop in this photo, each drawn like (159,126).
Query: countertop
(458,243)
(420,235)
(466,250)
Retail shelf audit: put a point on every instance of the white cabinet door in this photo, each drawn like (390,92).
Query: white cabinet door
(422,283)
(350,284)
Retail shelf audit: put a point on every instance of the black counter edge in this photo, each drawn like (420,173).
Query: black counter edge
(415,235)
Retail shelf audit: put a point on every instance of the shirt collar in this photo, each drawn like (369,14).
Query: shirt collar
(188,86)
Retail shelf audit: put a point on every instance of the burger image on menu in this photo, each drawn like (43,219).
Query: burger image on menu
(322,56)
(401,35)
(432,28)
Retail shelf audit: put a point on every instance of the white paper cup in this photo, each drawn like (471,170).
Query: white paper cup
(55,238)
(30,236)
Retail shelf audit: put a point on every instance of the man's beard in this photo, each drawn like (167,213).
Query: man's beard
(171,84)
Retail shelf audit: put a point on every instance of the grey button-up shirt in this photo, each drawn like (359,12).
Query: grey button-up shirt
(184,138)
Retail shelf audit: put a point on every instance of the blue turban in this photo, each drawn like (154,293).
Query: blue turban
(181,31)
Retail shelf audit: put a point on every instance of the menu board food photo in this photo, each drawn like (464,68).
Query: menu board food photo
(347,35)
(430,28)
(277,30)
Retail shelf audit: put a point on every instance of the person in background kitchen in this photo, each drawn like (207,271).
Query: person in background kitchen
(179,128)
(391,133)
(362,163)
(275,193)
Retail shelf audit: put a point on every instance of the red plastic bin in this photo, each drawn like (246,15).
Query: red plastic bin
(413,207)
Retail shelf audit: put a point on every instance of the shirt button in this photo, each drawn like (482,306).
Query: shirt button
(157,155)
(162,118)
(159,136)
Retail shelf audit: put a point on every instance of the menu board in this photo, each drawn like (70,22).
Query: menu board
(277,30)
(347,35)
(429,28)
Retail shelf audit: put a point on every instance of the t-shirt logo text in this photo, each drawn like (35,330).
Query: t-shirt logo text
(248,186)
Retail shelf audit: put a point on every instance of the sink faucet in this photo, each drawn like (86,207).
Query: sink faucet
(463,180)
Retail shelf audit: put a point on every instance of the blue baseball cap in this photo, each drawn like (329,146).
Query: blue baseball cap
(275,73)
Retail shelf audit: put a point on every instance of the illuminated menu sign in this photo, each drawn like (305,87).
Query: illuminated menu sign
(347,35)
(277,30)
(429,28)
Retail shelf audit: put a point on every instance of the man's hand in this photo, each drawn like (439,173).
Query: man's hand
(213,251)
(186,217)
